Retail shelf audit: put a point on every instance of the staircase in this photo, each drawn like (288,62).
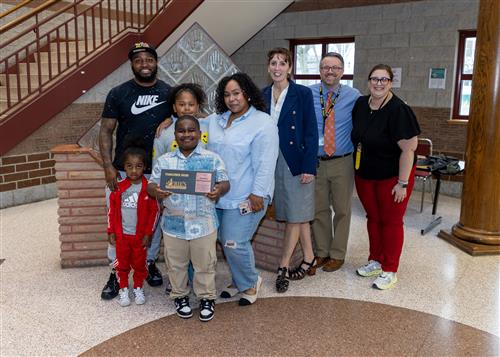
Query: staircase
(51,63)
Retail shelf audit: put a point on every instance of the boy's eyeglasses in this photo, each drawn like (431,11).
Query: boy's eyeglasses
(383,80)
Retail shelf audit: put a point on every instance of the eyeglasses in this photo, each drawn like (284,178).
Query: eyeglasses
(331,68)
(383,80)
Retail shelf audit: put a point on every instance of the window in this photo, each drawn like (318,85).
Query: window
(307,55)
(463,80)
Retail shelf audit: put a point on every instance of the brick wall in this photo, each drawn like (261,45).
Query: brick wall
(82,207)
(446,138)
(21,171)
(64,128)
(30,163)
(415,36)
(268,244)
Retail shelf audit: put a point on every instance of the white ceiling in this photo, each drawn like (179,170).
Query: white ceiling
(230,23)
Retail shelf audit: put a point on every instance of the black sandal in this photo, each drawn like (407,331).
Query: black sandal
(299,273)
(282,280)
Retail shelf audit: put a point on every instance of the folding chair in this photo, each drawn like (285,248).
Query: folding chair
(424,149)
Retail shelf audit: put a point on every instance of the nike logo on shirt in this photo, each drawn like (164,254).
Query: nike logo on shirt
(144,103)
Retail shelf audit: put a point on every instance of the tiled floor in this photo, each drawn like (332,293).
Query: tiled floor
(49,311)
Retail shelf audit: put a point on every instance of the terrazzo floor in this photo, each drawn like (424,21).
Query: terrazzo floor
(48,311)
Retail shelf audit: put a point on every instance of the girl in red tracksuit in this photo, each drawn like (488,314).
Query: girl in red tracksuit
(132,218)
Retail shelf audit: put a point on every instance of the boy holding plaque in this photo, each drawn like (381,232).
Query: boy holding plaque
(182,178)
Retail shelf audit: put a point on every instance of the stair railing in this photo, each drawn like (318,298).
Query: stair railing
(63,41)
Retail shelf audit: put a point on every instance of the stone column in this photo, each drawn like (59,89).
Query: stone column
(478,231)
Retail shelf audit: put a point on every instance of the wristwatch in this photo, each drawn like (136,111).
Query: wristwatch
(403,184)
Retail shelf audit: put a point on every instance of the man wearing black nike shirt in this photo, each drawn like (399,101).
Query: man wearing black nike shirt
(137,107)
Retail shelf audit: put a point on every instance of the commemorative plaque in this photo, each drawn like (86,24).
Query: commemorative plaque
(187,182)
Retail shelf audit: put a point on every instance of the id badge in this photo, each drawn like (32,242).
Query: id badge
(358,157)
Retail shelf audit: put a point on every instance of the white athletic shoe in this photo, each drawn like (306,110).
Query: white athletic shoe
(371,269)
(123,298)
(385,281)
(139,296)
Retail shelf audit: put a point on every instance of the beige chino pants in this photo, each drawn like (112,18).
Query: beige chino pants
(202,253)
(334,187)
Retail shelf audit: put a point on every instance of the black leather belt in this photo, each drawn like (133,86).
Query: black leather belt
(326,158)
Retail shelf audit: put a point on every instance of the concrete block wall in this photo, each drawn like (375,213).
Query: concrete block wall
(412,35)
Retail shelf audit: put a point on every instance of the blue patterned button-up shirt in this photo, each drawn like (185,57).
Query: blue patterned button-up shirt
(189,216)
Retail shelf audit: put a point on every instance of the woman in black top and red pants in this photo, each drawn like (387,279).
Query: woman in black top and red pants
(384,134)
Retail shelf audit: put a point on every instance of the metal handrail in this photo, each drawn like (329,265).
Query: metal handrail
(15,8)
(68,43)
(27,16)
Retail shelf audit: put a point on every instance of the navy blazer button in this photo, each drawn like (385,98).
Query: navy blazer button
(293,112)
(293,127)
(291,142)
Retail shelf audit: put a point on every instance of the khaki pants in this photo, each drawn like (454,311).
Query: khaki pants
(334,187)
(201,252)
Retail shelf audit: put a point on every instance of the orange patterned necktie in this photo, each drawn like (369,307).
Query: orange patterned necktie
(329,132)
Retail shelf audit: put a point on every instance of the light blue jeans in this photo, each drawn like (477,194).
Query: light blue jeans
(235,234)
(153,250)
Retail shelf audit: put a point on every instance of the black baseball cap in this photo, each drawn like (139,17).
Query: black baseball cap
(142,47)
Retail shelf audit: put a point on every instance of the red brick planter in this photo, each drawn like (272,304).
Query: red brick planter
(82,214)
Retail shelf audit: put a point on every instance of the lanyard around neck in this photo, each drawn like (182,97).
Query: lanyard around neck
(322,102)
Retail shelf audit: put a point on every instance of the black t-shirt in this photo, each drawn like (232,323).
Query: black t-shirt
(379,131)
(139,110)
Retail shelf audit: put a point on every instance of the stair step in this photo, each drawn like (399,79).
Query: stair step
(13,94)
(23,68)
(44,57)
(23,80)
(72,46)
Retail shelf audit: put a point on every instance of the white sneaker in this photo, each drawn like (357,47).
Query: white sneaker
(123,298)
(386,280)
(372,268)
(139,296)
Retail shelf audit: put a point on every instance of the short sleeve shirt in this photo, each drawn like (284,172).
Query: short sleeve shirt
(139,110)
(129,208)
(379,131)
(189,216)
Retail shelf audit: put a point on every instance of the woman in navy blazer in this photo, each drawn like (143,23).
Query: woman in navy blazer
(291,107)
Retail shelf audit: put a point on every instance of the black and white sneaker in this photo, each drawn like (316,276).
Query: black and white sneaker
(207,309)
(110,290)
(154,276)
(182,307)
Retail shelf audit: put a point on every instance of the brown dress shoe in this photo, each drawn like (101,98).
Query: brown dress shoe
(333,264)
(320,261)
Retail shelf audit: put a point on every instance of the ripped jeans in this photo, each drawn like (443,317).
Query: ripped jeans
(235,235)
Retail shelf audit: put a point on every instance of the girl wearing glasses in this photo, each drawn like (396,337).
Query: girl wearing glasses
(384,135)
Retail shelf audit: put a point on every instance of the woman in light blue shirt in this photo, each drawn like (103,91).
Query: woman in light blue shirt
(247,140)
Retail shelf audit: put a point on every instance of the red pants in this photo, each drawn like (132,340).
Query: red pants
(131,254)
(384,219)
